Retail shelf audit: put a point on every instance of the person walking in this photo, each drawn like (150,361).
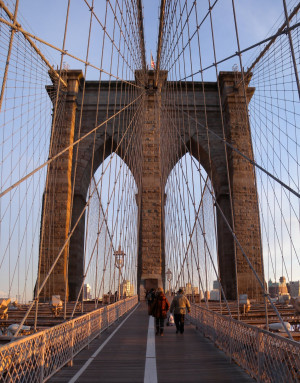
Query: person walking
(160,309)
(179,305)
(150,299)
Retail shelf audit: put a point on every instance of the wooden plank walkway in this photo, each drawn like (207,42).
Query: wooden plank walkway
(180,358)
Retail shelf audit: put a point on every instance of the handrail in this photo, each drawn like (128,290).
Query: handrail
(266,356)
(39,356)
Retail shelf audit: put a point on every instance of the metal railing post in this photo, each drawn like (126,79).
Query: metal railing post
(100,322)
(260,355)
(202,323)
(252,348)
(42,359)
(230,342)
(70,364)
(107,317)
(89,331)
(215,329)
(61,344)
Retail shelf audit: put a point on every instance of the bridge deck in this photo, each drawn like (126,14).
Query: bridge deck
(179,358)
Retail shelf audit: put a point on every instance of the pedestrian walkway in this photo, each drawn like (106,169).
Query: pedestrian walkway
(130,352)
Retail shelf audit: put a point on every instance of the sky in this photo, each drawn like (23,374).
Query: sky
(46,19)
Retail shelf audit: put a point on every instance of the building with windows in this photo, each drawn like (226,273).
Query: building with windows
(294,289)
(282,286)
(87,295)
(273,288)
(216,285)
(190,289)
(127,289)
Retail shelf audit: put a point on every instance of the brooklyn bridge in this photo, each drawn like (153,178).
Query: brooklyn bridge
(149,145)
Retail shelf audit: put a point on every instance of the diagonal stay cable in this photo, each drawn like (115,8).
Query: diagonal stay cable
(250,264)
(236,54)
(8,54)
(252,162)
(91,8)
(104,213)
(19,29)
(160,38)
(27,37)
(285,28)
(190,244)
(197,219)
(67,148)
(247,259)
(71,232)
(266,294)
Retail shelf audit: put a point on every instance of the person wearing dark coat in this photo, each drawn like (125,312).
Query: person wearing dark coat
(160,309)
(150,299)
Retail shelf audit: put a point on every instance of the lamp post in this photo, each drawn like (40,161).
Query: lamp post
(119,263)
(169,278)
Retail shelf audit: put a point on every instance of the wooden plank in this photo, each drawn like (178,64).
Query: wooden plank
(189,357)
(121,360)
(180,358)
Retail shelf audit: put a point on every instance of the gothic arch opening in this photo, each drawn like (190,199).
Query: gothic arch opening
(110,224)
(190,229)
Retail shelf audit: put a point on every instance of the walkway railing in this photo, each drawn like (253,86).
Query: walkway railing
(37,357)
(265,356)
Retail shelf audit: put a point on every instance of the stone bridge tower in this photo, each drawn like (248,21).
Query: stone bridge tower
(151,259)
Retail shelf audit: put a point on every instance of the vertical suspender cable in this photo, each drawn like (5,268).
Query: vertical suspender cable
(8,54)
(291,47)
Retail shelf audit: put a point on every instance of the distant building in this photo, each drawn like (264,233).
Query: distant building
(215,295)
(190,289)
(216,285)
(127,289)
(87,295)
(294,289)
(273,288)
(282,286)
(195,290)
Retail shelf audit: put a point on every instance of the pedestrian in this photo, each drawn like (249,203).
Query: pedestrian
(150,299)
(160,309)
(179,306)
